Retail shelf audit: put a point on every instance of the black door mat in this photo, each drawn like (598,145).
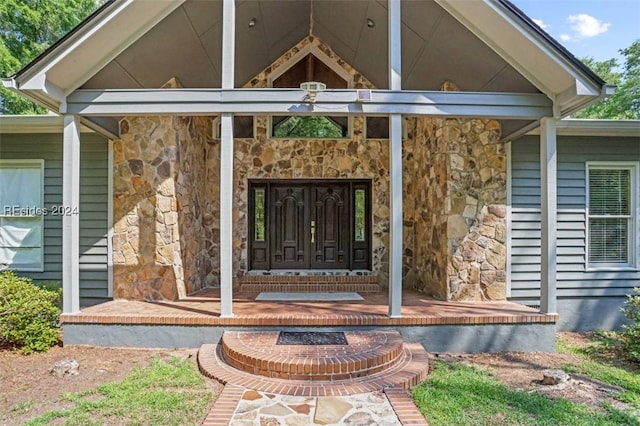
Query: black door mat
(312,338)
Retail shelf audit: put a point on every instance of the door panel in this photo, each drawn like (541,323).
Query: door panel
(330,215)
(289,219)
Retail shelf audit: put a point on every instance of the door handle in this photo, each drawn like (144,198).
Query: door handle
(313,231)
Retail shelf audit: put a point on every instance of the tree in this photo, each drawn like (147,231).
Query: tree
(625,102)
(27,28)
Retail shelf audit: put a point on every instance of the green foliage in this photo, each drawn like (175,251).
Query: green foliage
(308,127)
(166,393)
(27,28)
(458,394)
(28,313)
(624,104)
(631,332)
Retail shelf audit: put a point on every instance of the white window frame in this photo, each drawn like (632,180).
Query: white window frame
(634,217)
(32,164)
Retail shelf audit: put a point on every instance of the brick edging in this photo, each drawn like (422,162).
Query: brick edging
(221,412)
(405,408)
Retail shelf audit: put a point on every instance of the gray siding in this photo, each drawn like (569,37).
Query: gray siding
(93,207)
(574,282)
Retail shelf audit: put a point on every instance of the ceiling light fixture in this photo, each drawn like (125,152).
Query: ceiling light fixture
(370,23)
(252,22)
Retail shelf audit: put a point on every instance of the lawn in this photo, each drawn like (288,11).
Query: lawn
(168,392)
(459,392)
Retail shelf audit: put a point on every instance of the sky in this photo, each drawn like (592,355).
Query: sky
(588,28)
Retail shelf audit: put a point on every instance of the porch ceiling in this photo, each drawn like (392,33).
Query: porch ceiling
(187,45)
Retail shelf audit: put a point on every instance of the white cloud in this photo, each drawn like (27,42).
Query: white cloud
(565,37)
(587,26)
(541,23)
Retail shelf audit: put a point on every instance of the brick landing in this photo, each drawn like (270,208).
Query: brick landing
(409,368)
(366,353)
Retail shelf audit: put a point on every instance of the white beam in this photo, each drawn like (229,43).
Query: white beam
(395,46)
(549,214)
(71,221)
(395,140)
(226,164)
(228,43)
(521,106)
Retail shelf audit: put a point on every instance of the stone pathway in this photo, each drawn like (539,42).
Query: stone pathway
(257,408)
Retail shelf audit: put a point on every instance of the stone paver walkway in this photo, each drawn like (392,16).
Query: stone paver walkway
(237,406)
(261,408)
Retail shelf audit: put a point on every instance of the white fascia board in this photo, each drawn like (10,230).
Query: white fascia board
(87,51)
(292,102)
(514,42)
(589,127)
(37,96)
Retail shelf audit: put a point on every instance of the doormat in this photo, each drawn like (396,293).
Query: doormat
(273,296)
(312,338)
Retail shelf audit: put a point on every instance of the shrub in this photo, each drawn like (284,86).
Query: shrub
(28,313)
(631,331)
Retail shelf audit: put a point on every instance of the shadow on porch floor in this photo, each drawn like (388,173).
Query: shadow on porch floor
(203,308)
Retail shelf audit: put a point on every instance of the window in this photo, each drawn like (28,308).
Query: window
(21,214)
(310,126)
(611,214)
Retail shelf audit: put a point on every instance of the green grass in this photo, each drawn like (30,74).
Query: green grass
(165,393)
(602,361)
(461,395)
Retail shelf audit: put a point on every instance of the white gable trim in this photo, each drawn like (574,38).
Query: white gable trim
(301,54)
(527,52)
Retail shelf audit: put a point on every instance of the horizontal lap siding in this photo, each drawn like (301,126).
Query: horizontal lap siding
(573,279)
(93,207)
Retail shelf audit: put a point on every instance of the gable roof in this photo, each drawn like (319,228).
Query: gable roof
(484,45)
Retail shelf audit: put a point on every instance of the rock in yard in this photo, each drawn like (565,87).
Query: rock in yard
(554,377)
(65,367)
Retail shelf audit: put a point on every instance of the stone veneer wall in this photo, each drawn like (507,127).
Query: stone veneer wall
(460,213)
(262,157)
(161,203)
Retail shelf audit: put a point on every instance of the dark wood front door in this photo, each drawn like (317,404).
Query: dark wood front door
(307,225)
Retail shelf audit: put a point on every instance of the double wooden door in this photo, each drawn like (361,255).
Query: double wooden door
(308,225)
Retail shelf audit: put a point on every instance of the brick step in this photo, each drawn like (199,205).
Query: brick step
(406,370)
(366,353)
(306,287)
(309,283)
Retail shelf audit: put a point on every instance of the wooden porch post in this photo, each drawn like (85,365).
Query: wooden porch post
(395,140)
(71,222)
(549,214)
(226,163)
